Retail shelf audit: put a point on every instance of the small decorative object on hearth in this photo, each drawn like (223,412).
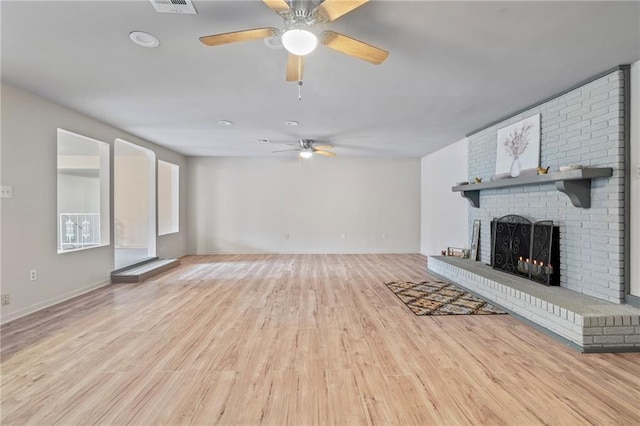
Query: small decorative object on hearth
(444,252)
(458,252)
(543,171)
(537,268)
(478,180)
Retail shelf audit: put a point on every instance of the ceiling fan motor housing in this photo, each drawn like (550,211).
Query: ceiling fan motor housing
(300,18)
(306,143)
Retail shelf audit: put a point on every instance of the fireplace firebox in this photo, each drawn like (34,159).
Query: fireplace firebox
(526,249)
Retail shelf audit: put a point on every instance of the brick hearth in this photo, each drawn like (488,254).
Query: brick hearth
(584,322)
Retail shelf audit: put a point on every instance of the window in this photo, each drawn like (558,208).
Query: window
(83,192)
(168,198)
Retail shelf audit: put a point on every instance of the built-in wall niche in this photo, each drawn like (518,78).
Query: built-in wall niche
(83,192)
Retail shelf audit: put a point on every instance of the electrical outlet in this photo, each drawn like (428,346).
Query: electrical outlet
(6,192)
(286,235)
(33,275)
(6,299)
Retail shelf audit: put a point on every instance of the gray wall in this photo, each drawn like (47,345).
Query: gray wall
(247,205)
(583,126)
(28,157)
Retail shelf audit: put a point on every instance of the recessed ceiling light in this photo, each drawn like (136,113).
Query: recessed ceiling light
(225,123)
(273,42)
(291,123)
(144,39)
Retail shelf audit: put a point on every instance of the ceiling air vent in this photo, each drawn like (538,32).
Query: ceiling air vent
(263,140)
(174,6)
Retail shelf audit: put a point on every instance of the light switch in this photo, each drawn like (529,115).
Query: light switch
(6,192)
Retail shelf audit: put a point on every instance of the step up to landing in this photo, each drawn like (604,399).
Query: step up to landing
(141,272)
(585,323)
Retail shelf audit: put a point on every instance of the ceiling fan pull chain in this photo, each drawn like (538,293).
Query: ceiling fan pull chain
(299,90)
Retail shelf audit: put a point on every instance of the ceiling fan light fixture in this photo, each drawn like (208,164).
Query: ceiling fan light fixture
(306,154)
(299,41)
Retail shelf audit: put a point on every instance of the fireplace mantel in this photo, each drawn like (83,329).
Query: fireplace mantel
(576,184)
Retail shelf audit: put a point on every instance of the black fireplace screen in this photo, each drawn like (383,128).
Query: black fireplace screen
(526,248)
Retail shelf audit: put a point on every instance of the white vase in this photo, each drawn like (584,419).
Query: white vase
(515,167)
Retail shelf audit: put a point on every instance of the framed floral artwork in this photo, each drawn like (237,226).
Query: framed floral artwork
(518,147)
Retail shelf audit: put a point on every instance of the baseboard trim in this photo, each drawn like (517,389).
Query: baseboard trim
(51,302)
(206,253)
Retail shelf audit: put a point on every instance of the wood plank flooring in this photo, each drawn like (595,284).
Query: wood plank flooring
(300,340)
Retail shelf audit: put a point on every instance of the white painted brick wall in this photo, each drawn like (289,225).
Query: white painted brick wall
(583,126)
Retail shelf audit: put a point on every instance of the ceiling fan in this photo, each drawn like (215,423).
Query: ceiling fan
(299,36)
(308,147)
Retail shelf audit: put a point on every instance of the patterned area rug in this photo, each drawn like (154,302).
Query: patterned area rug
(440,298)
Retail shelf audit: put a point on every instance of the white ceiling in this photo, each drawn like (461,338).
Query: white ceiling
(453,67)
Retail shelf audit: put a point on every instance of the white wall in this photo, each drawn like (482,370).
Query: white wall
(444,221)
(29,133)
(635,179)
(244,205)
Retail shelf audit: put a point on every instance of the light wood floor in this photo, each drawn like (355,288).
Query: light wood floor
(296,339)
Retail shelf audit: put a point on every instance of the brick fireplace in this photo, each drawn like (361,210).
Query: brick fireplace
(583,126)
